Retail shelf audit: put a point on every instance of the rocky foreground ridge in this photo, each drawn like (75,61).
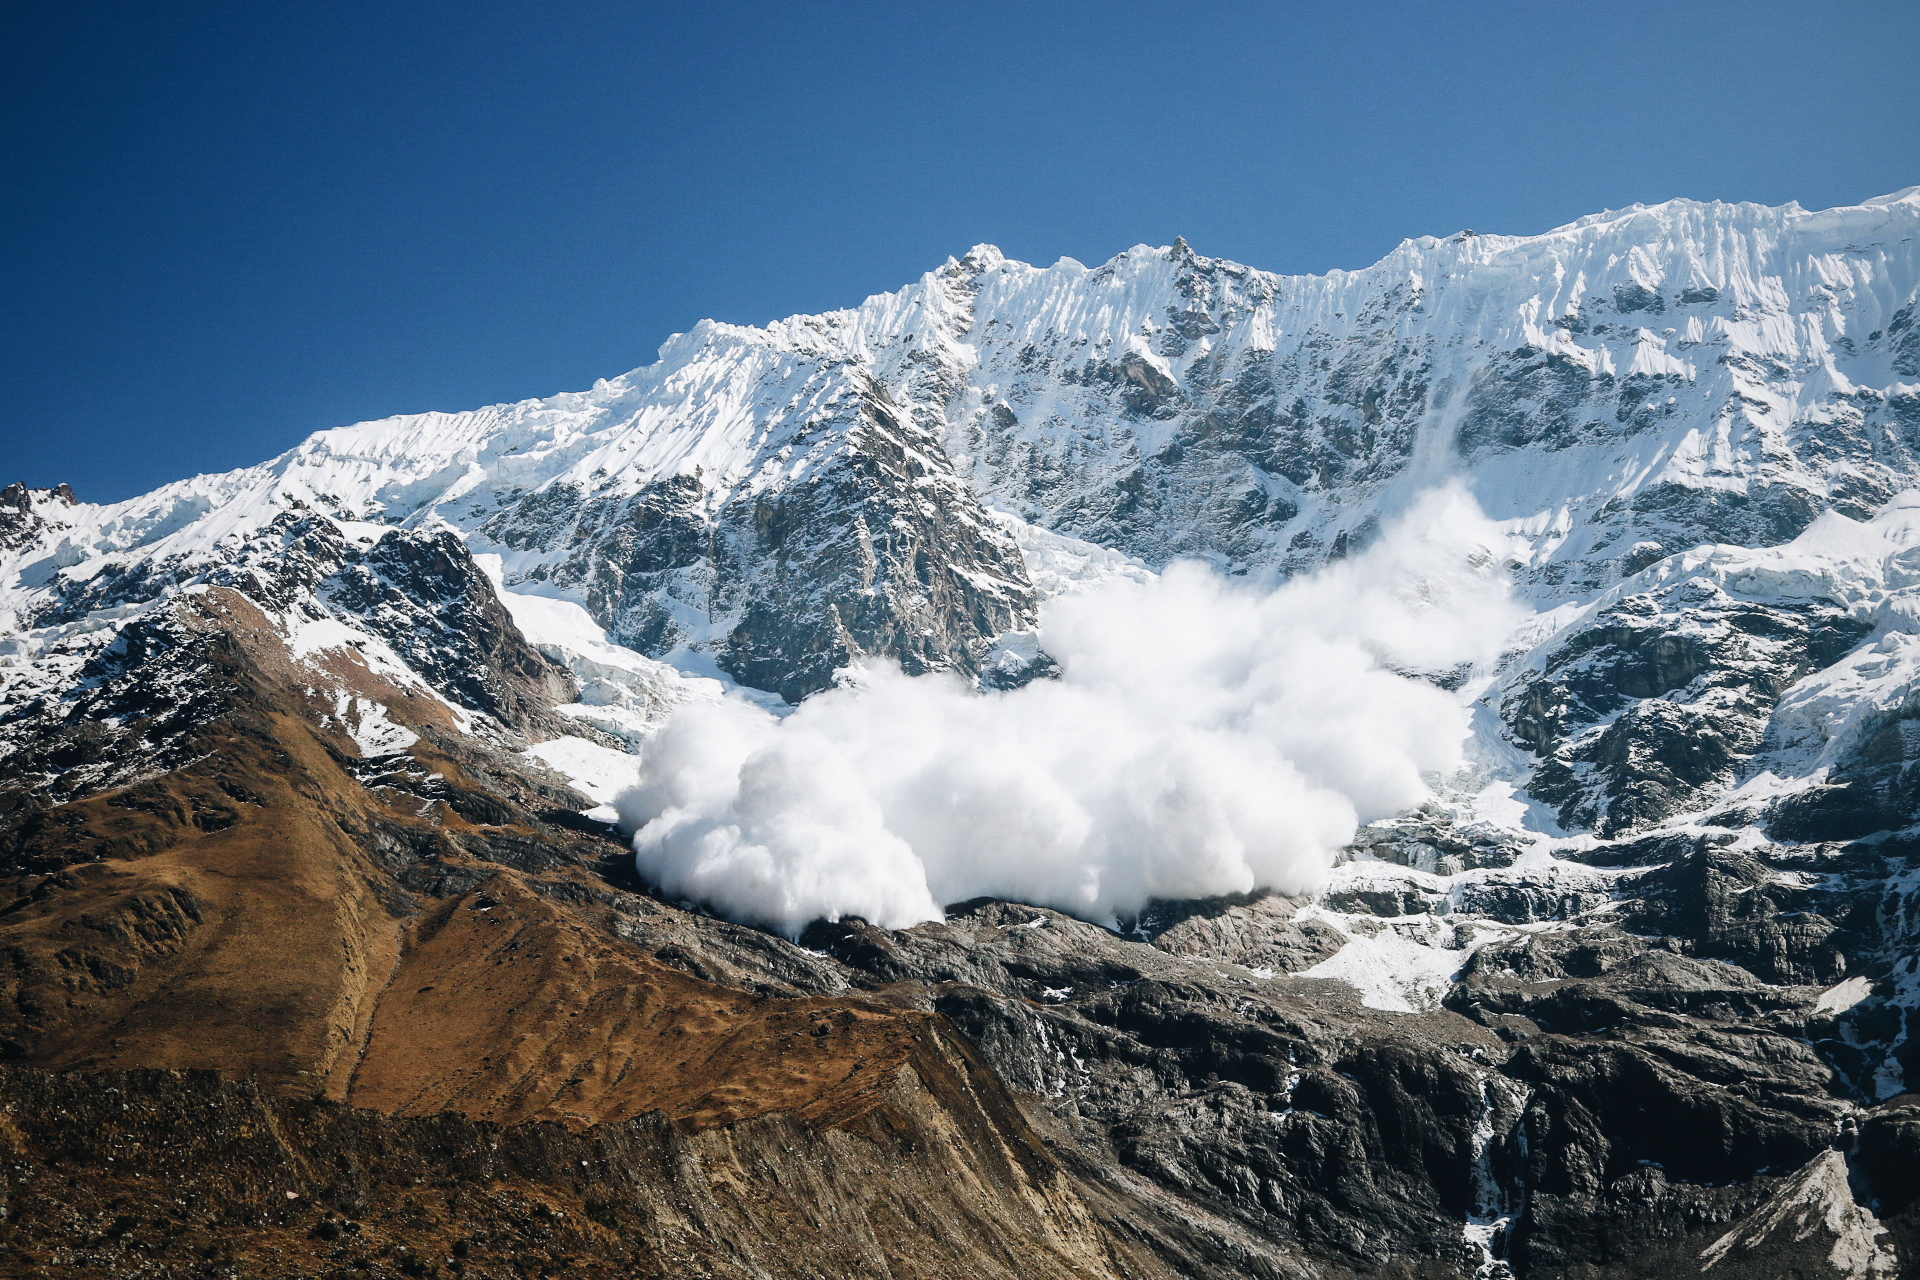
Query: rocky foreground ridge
(319,959)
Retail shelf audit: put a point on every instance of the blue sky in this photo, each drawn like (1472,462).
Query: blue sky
(231,224)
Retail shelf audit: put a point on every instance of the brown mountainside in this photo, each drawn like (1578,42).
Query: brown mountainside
(287,1010)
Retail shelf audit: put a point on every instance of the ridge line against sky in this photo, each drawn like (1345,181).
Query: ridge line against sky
(246,223)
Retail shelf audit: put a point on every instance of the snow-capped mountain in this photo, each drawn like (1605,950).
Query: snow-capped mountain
(1625,387)
(1604,1003)
(776,503)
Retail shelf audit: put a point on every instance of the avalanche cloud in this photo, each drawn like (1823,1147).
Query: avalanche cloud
(1203,737)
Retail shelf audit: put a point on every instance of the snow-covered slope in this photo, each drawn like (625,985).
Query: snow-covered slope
(1673,374)
(1621,388)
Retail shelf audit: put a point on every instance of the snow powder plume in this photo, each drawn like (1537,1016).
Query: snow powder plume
(1204,737)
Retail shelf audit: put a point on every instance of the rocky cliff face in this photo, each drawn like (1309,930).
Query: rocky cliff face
(304,873)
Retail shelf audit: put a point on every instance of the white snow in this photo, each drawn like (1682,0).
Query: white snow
(1203,738)
(622,692)
(598,772)
(371,729)
(1058,565)
(733,402)
(1838,999)
(1871,567)
(321,634)
(1400,969)
(1776,344)
(1404,964)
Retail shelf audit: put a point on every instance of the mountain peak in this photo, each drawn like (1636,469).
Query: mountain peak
(982,257)
(1906,195)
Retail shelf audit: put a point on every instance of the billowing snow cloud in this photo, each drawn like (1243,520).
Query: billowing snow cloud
(1204,737)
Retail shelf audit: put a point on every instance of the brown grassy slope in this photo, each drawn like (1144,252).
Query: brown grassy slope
(262,915)
(205,930)
(508,1007)
(164,1174)
(281,947)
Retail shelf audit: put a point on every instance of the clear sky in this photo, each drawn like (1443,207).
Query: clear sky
(230,224)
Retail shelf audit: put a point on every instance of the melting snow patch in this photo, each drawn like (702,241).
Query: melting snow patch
(1500,804)
(367,723)
(598,772)
(318,636)
(1390,970)
(1843,997)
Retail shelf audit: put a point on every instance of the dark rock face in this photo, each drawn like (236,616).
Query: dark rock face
(1903,342)
(881,552)
(1609,1100)
(655,550)
(425,597)
(1530,398)
(1210,444)
(178,1173)
(1661,695)
(1639,1068)
(1889,1156)
(863,563)
(1874,786)
(1254,931)
(140,701)
(328,949)
(1214,464)
(1727,904)
(421,593)
(19,523)
(1762,516)
(1282,1108)
(1427,839)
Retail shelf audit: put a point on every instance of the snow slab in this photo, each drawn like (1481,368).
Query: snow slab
(598,772)
(1390,971)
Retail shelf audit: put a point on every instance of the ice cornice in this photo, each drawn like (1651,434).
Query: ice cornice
(1680,219)
(1906,195)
